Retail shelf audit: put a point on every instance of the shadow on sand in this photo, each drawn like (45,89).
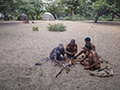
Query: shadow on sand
(10,22)
(114,23)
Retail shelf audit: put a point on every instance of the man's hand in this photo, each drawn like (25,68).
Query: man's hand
(61,64)
(67,60)
(70,53)
(87,67)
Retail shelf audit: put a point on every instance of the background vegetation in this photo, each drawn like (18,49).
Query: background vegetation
(107,10)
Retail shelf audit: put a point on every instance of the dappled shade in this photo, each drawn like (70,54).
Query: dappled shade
(48,16)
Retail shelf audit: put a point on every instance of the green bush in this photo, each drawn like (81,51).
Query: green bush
(61,18)
(66,18)
(56,27)
(35,28)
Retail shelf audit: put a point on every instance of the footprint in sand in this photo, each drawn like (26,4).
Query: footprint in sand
(28,71)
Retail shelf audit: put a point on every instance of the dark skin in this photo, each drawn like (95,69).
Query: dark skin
(58,60)
(72,47)
(84,51)
(91,62)
(92,46)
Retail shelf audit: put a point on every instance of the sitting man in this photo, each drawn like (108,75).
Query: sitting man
(87,40)
(56,54)
(92,62)
(71,49)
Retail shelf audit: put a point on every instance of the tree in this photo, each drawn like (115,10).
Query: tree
(81,8)
(70,4)
(106,7)
(32,7)
(38,7)
(6,6)
(54,7)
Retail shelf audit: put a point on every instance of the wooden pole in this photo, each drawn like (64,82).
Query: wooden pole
(58,72)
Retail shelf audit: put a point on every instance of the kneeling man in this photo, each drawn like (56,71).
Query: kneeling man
(92,62)
(71,49)
(56,54)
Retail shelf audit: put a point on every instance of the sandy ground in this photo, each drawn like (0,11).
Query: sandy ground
(21,48)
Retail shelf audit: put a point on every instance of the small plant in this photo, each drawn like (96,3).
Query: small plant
(35,28)
(56,27)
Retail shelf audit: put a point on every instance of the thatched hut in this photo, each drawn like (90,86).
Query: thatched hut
(2,16)
(48,16)
(22,17)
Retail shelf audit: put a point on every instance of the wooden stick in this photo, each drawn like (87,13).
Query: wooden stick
(58,72)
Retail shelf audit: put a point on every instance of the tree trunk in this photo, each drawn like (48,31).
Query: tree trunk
(55,13)
(96,17)
(37,17)
(56,16)
(32,17)
(80,16)
(28,16)
(113,16)
(5,16)
(73,14)
(115,2)
(117,14)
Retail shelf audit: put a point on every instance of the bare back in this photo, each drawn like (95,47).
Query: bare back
(94,57)
(92,46)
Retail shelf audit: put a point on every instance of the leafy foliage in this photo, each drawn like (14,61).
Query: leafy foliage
(70,5)
(106,7)
(62,9)
(35,28)
(56,27)
(16,7)
(54,7)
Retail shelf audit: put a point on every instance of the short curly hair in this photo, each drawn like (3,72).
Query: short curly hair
(87,39)
(88,45)
(72,41)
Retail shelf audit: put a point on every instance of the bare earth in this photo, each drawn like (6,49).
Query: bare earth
(21,48)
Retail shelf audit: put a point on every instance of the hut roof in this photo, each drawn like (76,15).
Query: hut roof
(1,15)
(48,16)
(22,16)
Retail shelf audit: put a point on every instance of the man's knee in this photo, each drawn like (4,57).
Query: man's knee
(84,63)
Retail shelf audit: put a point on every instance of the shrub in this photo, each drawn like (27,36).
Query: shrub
(56,27)
(35,28)
(61,18)
(66,18)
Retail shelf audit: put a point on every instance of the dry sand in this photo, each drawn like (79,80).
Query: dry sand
(21,48)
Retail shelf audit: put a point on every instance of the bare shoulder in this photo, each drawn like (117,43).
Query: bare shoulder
(93,52)
(92,45)
(75,45)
